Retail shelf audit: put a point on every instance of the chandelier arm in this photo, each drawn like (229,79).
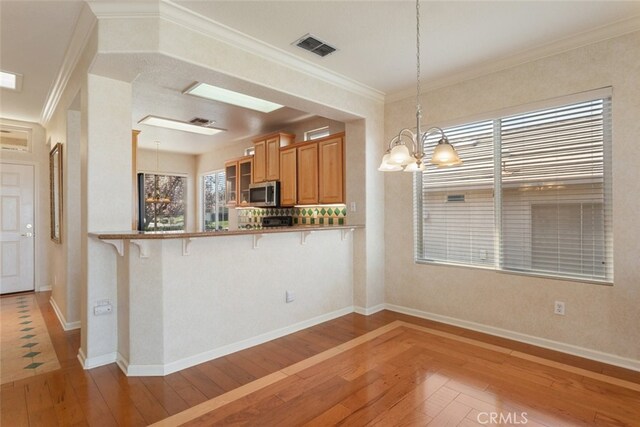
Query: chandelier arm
(411,137)
(431,130)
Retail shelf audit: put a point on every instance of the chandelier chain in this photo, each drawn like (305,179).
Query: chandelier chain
(418,55)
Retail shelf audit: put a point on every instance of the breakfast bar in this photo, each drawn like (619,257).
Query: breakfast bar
(184,298)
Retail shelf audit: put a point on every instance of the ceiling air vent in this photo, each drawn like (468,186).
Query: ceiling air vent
(315,45)
(199,121)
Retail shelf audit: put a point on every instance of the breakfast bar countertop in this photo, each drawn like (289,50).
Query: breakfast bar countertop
(135,235)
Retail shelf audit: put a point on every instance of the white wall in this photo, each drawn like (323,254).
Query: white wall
(599,318)
(39,157)
(174,163)
(225,295)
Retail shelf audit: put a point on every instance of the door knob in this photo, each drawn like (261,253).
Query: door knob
(27,234)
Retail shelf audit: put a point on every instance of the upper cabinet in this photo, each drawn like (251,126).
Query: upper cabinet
(308,174)
(231,187)
(288,176)
(245,169)
(266,161)
(331,169)
(313,170)
(238,176)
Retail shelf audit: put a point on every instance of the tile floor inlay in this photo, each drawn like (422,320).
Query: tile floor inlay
(24,355)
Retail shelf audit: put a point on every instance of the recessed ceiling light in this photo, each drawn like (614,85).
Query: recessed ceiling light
(179,125)
(215,93)
(10,80)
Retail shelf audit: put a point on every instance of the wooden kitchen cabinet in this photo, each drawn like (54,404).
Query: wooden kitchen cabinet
(238,174)
(288,176)
(331,170)
(231,178)
(266,159)
(245,168)
(307,163)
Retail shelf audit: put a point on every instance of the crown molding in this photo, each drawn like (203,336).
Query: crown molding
(84,26)
(208,27)
(596,35)
(128,9)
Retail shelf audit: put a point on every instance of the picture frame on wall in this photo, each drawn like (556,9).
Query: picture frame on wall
(55,192)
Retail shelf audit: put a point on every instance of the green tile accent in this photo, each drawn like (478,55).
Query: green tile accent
(323,211)
(26,337)
(344,211)
(313,220)
(29,345)
(32,365)
(330,211)
(25,329)
(304,220)
(32,354)
(330,221)
(25,322)
(295,220)
(340,221)
(322,220)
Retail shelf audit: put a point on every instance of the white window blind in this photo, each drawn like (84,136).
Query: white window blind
(533,195)
(458,219)
(556,208)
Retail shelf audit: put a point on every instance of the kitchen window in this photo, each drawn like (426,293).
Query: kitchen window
(215,213)
(310,135)
(163,198)
(533,195)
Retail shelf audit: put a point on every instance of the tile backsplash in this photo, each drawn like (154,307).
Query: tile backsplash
(304,215)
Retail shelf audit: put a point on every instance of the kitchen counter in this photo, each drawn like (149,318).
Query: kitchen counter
(138,235)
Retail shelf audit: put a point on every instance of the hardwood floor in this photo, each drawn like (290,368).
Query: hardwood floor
(452,383)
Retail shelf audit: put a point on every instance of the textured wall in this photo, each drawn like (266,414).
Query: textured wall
(601,318)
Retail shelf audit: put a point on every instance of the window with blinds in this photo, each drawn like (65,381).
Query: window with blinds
(533,195)
(215,211)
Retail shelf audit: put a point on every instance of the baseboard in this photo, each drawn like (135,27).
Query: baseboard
(67,326)
(94,362)
(44,289)
(366,311)
(586,353)
(187,362)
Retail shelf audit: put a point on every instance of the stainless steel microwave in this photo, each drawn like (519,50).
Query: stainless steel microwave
(264,194)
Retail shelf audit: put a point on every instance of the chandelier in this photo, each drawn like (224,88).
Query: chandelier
(406,149)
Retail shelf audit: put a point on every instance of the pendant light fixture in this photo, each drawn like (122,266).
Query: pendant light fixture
(406,150)
(155,197)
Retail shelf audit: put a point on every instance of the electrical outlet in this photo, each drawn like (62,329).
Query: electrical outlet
(558,308)
(353,207)
(289,296)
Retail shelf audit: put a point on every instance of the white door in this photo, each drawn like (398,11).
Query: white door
(16,228)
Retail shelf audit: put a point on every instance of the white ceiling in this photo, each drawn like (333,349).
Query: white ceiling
(376,42)
(34,36)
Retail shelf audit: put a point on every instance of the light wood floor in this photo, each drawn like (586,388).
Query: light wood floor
(411,378)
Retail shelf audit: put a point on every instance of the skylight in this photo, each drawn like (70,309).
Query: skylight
(215,93)
(179,125)
(11,81)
